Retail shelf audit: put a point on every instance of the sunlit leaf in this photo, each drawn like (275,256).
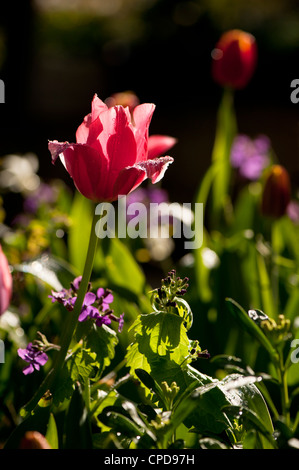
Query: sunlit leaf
(53,271)
(251,327)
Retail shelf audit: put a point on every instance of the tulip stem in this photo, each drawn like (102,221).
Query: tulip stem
(72,321)
(52,378)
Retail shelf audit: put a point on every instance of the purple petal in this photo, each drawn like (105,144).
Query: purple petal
(89,298)
(108,299)
(92,312)
(23,353)
(76,282)
(100,292)
(83,315)
(28,370)
(103,320)
(253,167)
(121,323)
(41,359)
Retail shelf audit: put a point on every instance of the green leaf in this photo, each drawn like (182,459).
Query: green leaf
(125,420)
(36,421)
(116,420)
(253,422)
(52,434)
(209,415)
(102,341)
(82,365)
(150,383)
(160,338)
(251,327)
(77,431)
(225,132)
(121,268)
(245,208)
(78,235)
(53,271)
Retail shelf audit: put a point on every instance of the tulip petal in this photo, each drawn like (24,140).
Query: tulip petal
(88,168)
(97,107)
(142,116)
(90,128)
(85,165)
(117,140)
(131,177)
(159,144)
(156,167)
(57,148)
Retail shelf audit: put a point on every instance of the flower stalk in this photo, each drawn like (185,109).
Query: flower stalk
(73,316)
(52,378)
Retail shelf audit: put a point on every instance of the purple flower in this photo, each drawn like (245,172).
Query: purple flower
(44,194)
(90,311)
(65,297)
(121,322)
(34,356)
(105,298)
(95,307)
(87,309)
(146,196)
(250,156)
(76,283)
(102,320)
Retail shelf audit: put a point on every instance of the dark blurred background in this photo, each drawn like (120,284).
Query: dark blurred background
(55,54)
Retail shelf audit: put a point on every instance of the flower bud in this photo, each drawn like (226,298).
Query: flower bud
(234,59)
(34,440)
(276,193)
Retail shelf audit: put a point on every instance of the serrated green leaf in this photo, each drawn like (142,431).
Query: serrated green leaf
(159,337)
(102,341)
(82,365)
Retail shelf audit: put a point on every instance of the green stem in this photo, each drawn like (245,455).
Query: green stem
(52,378)
(282,374)
(274,271)
(72,320)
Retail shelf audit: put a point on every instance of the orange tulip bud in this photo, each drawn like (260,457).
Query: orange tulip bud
(234,59)
(277,192)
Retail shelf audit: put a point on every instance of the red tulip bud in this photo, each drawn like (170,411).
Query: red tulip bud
(276,193)
(234,59)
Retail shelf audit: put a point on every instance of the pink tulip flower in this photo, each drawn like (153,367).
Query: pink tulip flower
(5,283)
(111,155)
(158,144)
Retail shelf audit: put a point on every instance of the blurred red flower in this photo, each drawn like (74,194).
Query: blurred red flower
(111,155)
(234,59)
(277,192)
(5,283)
